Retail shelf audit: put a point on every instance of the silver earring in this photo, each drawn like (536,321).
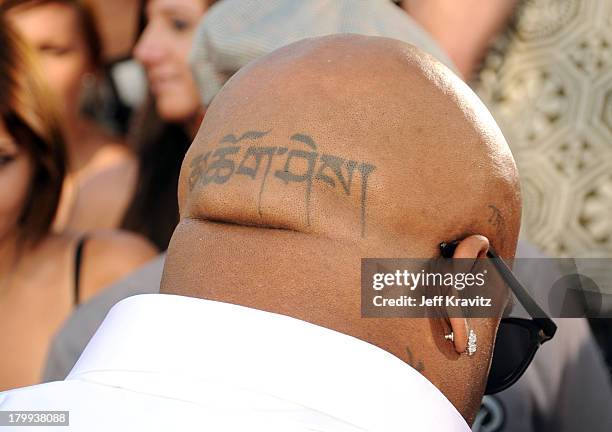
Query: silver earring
(471,346)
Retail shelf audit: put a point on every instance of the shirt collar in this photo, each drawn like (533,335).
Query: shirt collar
(315,367)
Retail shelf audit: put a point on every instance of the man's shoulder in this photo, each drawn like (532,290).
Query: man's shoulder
(52,396)
(96,407)
(93,406)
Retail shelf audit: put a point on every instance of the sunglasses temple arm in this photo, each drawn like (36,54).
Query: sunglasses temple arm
(523,296)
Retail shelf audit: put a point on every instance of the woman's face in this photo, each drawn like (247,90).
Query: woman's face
(163,49)
(15,176)
(53,30)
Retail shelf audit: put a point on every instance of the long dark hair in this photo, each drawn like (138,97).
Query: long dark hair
(30,118)
(161,148)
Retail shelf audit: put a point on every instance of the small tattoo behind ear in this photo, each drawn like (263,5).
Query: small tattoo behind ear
(496,219)
(418,365)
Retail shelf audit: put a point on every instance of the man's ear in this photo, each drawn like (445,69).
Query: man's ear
(474,246)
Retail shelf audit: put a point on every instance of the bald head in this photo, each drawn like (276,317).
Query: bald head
(388,145)
(333,149)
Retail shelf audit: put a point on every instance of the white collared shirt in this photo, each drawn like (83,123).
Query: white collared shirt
(173,363)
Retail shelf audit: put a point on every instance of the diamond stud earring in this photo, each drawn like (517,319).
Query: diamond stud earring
(471,346)
(471,343)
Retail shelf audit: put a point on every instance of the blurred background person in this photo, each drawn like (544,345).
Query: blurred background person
(126,85)
(65,37)
(117,30)
(464,28)
(138,193)
(235,32)
(43,276)
(164,128)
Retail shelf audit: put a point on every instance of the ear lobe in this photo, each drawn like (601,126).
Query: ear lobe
(459,327)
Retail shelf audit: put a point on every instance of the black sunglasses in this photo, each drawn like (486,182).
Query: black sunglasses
(518,339)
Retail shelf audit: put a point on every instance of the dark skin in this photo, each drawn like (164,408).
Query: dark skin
(216,167)
(426,160)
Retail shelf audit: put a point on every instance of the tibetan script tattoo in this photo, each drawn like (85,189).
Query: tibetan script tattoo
(303,163)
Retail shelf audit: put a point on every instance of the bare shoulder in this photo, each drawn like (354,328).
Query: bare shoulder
(122,246)
(105,194)
(113,164)
(111,255)
(111,151)
(50,260)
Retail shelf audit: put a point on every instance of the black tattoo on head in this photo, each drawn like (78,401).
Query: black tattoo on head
(499,223)
(231,138)
(218,166)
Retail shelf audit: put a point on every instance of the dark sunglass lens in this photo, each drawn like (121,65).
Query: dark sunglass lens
(512,347)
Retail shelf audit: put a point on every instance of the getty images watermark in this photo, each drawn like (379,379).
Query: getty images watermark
(474,288)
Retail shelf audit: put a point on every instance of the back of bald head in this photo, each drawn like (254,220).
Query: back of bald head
(437,166)
(330,150)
